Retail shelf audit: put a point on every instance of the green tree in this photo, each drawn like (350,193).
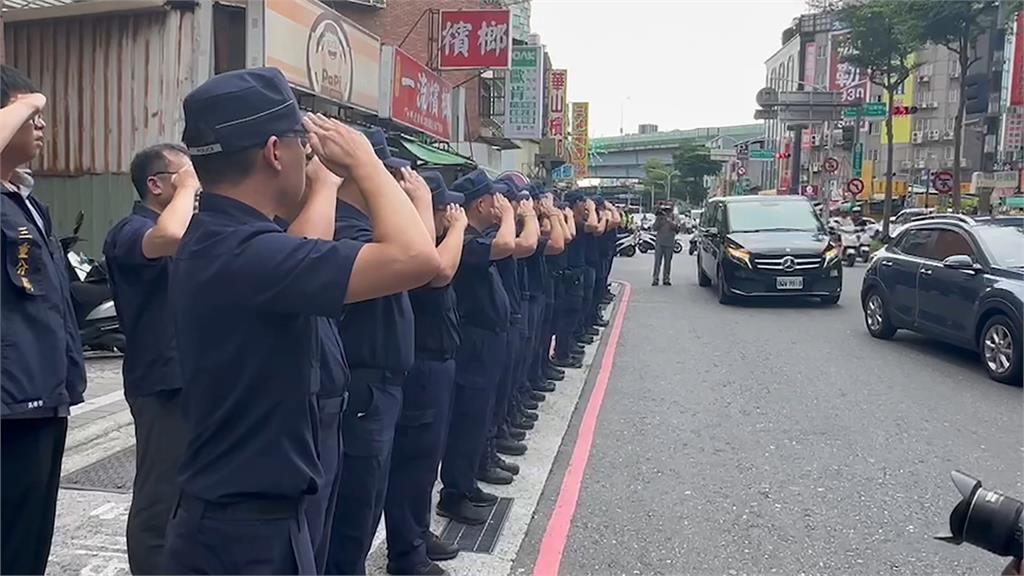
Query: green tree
(656,175)
(694,163)
(957,26)
(882,38)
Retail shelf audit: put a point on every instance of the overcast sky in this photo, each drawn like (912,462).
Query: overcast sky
(681,63)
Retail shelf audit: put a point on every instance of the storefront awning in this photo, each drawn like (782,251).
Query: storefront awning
(434,156)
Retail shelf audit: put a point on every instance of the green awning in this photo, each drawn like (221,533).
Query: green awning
(434,156)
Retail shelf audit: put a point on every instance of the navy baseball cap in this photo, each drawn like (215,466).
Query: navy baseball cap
(379,140)
(473,186)
(239,110)
(574,198)
(440,195)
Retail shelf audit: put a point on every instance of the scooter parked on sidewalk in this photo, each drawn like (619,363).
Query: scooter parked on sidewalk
(91,297)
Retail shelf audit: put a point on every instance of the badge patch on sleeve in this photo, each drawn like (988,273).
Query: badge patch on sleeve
(22,267)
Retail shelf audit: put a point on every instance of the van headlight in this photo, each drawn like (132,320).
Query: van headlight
(741,255)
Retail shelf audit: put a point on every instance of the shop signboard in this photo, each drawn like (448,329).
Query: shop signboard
(415,96)
(471,39)
(580,138)
(845,78)
(524,88)
(556,96)
(318,50)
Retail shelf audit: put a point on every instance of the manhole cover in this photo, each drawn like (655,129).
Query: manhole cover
(112,474)
(482,538)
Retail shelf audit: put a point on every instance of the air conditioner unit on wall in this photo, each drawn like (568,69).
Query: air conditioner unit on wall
(815,140)
(906,164)
(921,162)
(816,167)
(916,136)
(947,163)
(934,134)
(947,135)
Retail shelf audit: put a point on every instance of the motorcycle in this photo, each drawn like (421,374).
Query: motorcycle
(645,241)
(626,245)
(91,297)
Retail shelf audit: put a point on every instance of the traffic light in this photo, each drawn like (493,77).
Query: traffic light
(848,133)
(783,155)
(976,88)
(904,110)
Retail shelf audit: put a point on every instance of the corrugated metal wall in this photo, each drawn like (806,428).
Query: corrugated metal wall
(105,199)
(114,84)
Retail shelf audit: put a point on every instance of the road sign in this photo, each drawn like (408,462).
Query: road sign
(868,110)
(943,182)
(563,172)
(741,170)
(830,165)
(858,159)
(855,186)
(762,154)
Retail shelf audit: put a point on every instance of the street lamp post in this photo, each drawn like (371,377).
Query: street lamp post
(668,183)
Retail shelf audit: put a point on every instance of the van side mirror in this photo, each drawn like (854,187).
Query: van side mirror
(961,262)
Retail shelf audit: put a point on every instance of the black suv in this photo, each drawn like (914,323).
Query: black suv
(955,278)
(766,246)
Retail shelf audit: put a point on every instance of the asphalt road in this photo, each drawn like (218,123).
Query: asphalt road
(779,437)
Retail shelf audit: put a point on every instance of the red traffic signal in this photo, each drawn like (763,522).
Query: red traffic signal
(783,155)
(904,110)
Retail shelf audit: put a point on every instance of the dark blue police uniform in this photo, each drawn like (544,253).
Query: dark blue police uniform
(247,295)
(594,265)
(378,338)
(426,405)
(539,289)
(574,284)
(483,307)
(152,382)
(42,375)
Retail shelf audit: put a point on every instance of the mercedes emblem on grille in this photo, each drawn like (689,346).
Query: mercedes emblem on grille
(789,264)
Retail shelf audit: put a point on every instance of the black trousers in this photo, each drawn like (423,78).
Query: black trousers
(160,436)
(31,450)
(586,317)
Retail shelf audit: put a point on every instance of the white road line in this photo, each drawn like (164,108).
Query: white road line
(98,402)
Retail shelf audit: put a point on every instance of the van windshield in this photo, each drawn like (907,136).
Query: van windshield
(772,216)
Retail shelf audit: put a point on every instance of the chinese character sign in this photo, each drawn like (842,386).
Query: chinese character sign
(475,39)
(846,78)
(580,137)
(556,95)
(524,112)
(420,98)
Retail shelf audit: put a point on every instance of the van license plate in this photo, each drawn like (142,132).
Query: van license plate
(789,283)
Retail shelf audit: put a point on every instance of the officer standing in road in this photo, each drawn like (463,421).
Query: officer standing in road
(483,308)
(377,336)
(246,295)
(139,251)
(43,373)
(427,399)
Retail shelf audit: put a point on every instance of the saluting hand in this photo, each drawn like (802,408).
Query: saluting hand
(526,207)
(454,217)
(185,180)
(341,148)
(319,177)
(414,185)
(35,101)
(502,207)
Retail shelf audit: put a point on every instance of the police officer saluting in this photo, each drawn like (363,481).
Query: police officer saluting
(427,398)
(484,312)
(42,373)
(541,289)
(377,336)
(138,252)
(568,351)
(246,294)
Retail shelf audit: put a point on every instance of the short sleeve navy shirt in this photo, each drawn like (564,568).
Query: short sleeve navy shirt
(576,251)
(377,333)
(482,300)
(246,297)
(139,285)
(437,321)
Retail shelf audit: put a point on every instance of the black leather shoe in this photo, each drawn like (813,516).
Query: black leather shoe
(585,339)
(534,395)
(556,374)
(593,332)
(544,387)
(463,512)
(481,499)
(516,433)
(426,569)
(667,282)
(568,362)
(495,475)
(529,416)
(510,467)
(509,448)
(601,323)
(438,550)
(529,404)
(517,422)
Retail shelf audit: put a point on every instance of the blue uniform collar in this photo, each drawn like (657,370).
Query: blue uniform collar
(234,209)
(140,209)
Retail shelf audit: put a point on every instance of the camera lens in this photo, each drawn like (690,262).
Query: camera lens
(986,518)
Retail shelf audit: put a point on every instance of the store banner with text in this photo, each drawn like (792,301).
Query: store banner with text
(320,51)
(556,96)
(415,96)
(524,88)
(810,63)
(843,77)
(580,138)
(472,39)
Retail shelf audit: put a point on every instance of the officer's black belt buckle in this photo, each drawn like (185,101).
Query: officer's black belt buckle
(254,509)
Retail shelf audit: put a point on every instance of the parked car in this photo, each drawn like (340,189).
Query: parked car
(957,279)
(749,246)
